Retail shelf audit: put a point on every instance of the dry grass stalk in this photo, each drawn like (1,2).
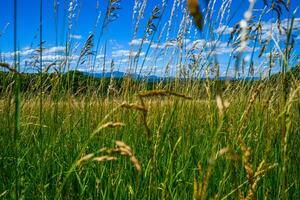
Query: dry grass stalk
(205,182)
(144,111)
(7,66)
(91,156)
(109,125)
(247,164)
(125,150)
(104,158)
(198,184)
(120,149)
(266,103)
(222,105)
(196,189)
(193,6)
(247,111)
(252,178)
(216,197)
(157,138)
(85,158)
(259,173)
(136,163)
(134,106)
(145,115)
(261,170)
(221,152)
(112,125)
(48,67)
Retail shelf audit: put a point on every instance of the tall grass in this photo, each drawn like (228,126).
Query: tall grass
(17,106)
(78,137)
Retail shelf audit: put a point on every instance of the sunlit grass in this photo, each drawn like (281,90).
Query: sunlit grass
(72,136)
(185,134)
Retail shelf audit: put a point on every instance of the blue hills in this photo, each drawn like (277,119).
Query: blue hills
(119,75)
(154,78)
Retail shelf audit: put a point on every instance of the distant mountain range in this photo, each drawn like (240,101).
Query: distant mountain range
(295,71)
(119,74)
(152,78)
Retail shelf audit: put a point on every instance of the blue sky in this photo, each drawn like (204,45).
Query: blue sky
(118,36)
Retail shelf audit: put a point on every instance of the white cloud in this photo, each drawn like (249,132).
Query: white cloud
(115,45)
(168,44)
(224,30)
(157,46)
(268,27)
(25,52)
(196,44)
(209,48)
(172,43)
(76,37)
(138,42)
(52,58)
(29,51)
(271,28)
(120,53)
(100,56)
(296,23)
(187,41)
(125,53)
(58,49)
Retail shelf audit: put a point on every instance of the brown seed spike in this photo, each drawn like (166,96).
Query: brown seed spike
(193,6)
(7,66)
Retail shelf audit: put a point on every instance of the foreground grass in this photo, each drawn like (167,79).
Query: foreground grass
(187,148)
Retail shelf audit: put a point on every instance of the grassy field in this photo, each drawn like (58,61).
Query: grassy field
(207,132)
(177,146)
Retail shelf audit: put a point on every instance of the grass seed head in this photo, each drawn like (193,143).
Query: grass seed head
(136,163)
(104,158)
(194,8)
(85,158)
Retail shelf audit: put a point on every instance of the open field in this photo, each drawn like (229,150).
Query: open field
(181,99)
(194,148)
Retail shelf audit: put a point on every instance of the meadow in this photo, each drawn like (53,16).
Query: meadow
(68,135)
